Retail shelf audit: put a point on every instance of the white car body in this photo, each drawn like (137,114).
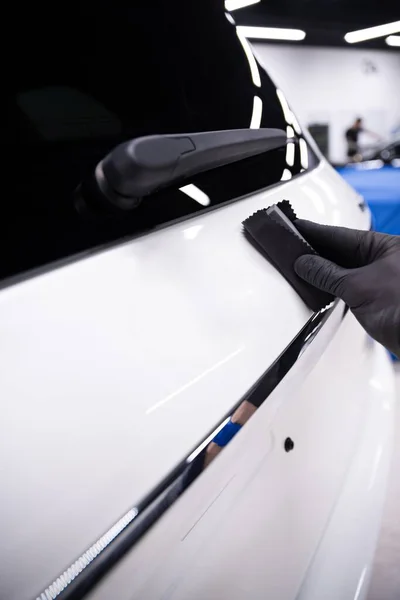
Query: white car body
(118,368)
(130,372)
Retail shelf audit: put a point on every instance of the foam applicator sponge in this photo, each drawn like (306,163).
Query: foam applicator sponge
(273,232)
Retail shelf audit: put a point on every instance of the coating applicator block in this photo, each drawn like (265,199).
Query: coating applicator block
(273,232)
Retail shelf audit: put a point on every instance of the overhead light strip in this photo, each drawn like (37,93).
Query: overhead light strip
(235,4)
(272,33)
(393,40)
(353,37)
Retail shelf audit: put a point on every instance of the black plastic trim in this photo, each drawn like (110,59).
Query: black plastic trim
(141,166)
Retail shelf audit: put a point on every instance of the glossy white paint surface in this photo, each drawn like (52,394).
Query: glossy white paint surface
(261,523)
(113,368)
(342,565)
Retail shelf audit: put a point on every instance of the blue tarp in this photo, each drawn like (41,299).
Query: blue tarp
(381,190)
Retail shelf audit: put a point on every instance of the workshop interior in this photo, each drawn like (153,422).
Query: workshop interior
(200,301)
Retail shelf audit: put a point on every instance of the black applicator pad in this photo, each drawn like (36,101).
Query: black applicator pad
(273,232)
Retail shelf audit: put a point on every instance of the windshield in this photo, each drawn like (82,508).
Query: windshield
(89,76)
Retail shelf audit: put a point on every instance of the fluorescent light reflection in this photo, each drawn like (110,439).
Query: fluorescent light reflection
(326,189)
(196,194)
(290,148)
(360,585)
(235,4)
(272,33)
(230,18)
(194,381)
(303,153)
(191,232)
(286,175)
(210,438)
(84,561)
(353,37)
(287,113)
(255,73)
(375,466)
(257,113)
(393,40)
(295,123)
(315,199)
(289,131)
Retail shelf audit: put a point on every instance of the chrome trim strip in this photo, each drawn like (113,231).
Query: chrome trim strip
(87,557)
(97,560)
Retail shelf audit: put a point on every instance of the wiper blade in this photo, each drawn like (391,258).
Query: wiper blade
(141,166)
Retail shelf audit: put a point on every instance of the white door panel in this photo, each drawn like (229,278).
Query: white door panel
(251,525)
(343,562)
(118,365)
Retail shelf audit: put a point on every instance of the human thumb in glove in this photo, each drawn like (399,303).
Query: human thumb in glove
(363,269)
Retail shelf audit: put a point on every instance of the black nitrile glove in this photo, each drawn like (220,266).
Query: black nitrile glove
(363,269)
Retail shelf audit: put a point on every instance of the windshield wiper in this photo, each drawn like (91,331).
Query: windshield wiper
(141,166)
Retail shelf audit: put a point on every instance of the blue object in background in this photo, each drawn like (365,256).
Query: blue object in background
(381,190)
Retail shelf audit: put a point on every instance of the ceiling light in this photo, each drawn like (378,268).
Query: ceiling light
(372,32)
(393,40)
(235,4)
(272,33)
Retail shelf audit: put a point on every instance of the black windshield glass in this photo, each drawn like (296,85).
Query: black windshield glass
(88,76)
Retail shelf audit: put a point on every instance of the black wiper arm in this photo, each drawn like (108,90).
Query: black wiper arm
(143,165)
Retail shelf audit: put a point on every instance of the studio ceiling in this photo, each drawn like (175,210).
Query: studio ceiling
(325,21)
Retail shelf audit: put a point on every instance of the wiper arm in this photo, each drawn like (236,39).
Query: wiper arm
(141,166)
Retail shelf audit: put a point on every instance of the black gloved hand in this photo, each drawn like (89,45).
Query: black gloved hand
(363,269)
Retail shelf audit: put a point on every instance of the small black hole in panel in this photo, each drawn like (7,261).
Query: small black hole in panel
(289,444)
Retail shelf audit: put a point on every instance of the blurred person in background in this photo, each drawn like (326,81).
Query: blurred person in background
(353,149)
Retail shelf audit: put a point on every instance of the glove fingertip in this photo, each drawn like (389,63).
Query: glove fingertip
(304,264)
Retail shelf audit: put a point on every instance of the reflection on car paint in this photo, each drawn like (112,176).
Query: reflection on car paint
(96,561)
